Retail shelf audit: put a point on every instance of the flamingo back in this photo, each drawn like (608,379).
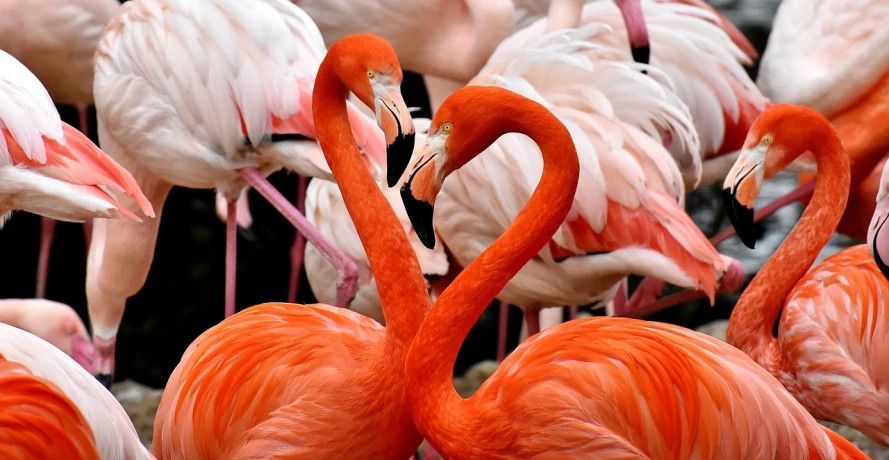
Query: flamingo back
(210,81)
(825,54)
(115,435)
(832,332)
(628,389)
(38,420)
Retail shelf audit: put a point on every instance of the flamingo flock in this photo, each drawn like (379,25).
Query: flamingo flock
(564,138)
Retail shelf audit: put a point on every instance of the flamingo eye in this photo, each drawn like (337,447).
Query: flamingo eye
(370,73)
(767,140)
(447,128)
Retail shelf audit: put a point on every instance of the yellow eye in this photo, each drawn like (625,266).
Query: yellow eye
(370,73)
(768,140)
(447,127)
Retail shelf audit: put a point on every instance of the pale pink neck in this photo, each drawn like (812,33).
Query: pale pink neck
(392,260)
(430,363)
(750,326)
(11,312)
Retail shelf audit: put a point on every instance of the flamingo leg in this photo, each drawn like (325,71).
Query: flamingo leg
(619,304)
(231,256)
(47,226)
(572,313)
(87,233)
(502,326)
(647,292)
(299,243)
(347,271)
(532,318)
(429,452)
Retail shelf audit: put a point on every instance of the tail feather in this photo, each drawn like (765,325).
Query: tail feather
(844,448)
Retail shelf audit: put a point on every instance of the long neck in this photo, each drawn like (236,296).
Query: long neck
(750,326)
(564,14)
(398,275)
(430,363)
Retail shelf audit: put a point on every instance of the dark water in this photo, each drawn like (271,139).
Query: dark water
(184,292)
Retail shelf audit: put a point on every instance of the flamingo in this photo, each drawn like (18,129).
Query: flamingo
(54,322)
(36,411)
(831,349)
(627,217)
(831,56)
(611,387)
(238,111)
(115,436)
(46,35)
(313,381)
(876,237)
(326,210)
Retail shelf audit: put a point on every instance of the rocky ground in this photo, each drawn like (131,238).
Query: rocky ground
(141,402)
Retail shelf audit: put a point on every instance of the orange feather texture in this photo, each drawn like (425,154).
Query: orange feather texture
(608,388)
(831,351)
(37,420)
(311,381)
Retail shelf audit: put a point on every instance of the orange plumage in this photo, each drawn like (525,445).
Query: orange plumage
(38,421)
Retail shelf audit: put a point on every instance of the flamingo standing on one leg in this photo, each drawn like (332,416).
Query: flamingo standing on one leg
(54,322)
(326,210)
(46,36)
(627,217)
(831,351)
(313,381)
(35,409)
(228,118)
(832,57)
(612,387)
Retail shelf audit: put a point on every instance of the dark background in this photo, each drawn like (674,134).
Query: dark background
(183,295)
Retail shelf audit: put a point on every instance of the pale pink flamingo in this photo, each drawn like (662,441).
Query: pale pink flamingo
(877,236)
(326,210)
(627,216)
(116,438)
(312,381)
(56,40)
(239,111)
(831,55)
(831,352)
(54,322)
(609,388)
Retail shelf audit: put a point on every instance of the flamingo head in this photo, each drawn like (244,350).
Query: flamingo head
(780,135)
(877,233)
(373,74)
(467,123)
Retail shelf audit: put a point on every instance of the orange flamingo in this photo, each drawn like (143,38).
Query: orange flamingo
(313,381)
(831,348)
(598,387)
(38,420)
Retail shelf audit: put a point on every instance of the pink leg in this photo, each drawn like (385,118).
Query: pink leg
(47,226)
(620,299)
(104,362)
(83,120)
(231,256)
(572,313)
(299,243)
(647,292)
(88,233)
(429,452)
(793,196)
(503,326)
(347,271)
(532,317)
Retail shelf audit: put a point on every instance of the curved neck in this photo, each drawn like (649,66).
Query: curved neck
(392,260)
(11,312)
(430,362)
(564,14)
(751,323)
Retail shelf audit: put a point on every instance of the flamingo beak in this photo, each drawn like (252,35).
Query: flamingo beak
(740,189)
(418,195)
(398,127)
(877,233)
(83,352)
(634,21)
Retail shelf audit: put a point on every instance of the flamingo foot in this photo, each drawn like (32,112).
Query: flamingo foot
(299,243)
(502,328)
(103,365)
(347,271)
(84,353)
(47,227)
(231,256)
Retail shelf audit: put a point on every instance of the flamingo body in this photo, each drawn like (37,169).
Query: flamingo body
(36,411)
(54,322)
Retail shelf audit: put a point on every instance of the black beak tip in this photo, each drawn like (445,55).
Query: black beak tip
(420,213)
(741,218)
(105,380)
(398,155)
(642,54)
(881,264)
